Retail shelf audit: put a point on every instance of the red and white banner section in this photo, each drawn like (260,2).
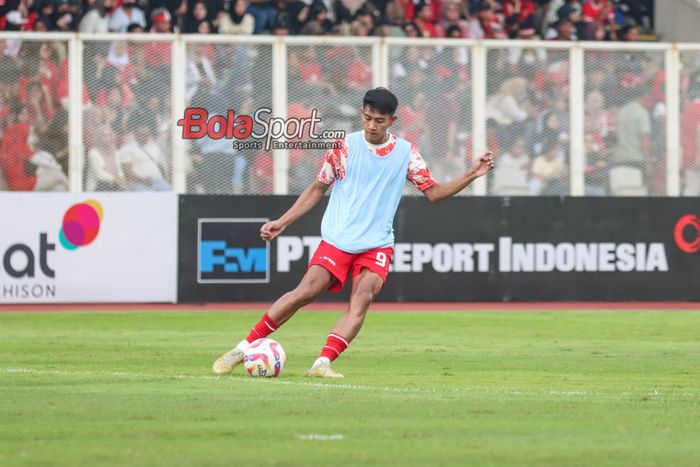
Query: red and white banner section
(89,247)
(464,249)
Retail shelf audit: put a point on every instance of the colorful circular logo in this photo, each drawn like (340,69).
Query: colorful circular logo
(81,224)
(684,222)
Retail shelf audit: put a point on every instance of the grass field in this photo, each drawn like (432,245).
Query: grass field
(476,388)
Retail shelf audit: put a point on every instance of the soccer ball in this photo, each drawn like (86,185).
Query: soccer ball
(265,358)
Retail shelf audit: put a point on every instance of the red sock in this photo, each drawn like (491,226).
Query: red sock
(264,328)
(335,344)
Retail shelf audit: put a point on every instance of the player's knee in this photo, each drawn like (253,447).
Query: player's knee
(305,293)
(363,297)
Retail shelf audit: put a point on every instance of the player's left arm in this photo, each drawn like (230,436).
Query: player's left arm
(441,191)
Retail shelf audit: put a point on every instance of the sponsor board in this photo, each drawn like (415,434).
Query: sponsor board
(494,249)
(231,251)
(90,247)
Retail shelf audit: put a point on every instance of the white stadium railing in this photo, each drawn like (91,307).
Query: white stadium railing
(668,58)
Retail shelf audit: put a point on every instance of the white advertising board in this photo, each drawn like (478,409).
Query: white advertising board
(88,247)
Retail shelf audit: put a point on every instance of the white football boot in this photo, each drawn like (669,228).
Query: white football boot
(230,360)
(322,369)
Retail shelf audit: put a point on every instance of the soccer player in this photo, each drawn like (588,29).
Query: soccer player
(368,173)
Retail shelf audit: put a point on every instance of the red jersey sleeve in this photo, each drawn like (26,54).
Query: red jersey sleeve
(418,172)
(334,163)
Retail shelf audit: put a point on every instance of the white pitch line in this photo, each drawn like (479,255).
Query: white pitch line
(316,437)
(355,387)
(210,378)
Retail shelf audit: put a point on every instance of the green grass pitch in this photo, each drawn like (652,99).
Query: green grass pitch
(473,388)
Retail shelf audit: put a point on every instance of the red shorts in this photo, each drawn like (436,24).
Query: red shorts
(338,263)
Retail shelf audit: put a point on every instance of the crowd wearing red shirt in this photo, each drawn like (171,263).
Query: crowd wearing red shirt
(476,19)
(433,85)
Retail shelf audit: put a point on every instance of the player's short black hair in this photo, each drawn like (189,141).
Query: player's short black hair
(382,100)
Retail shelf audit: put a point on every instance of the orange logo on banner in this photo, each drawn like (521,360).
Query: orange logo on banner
(687,221)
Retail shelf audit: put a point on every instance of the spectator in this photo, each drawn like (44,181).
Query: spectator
(690,142)
(15,152)
(236,20)
(25,169)
(67,13)
(518,14)
(215,171)
(135,28)
(199,75)
(47,14)
(318,24)
(127,14)
(491,22)
(195,16)
(395,13)
(55,140)
(264,12)
(141,158)
(104,170)
(633,128)
(17,20)
(41,25)
(516,157)
(547,14)
(411,8)
(548,174)
(97,20)
(205,27)
(411,122)
(410,30)
(629,33)
(423,20)
(39,106)
(362,26)
(161,20)
(507,106)
(298,13)
(451,17)
(564,30)
(281,27)
(602,12)
(596,131)
(571,9)
(593,31)
(596,121)
(49,176)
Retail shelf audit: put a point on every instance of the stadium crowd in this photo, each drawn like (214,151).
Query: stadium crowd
(126,91)
(475,19)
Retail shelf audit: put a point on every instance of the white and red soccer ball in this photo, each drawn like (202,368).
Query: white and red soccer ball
(264,358)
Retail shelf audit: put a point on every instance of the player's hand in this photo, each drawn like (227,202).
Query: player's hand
(271,230)
(482,164)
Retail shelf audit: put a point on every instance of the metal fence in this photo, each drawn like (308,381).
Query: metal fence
(100,112)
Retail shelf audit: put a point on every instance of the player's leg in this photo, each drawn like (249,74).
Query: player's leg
(366,285)
(316,280)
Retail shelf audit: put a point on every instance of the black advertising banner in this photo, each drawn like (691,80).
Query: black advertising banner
(464,249)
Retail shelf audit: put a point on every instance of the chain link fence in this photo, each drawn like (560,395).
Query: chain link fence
(218,78)
(332,80)
(127,101)
(34,115)
(690,122)
(127,116)
(433,88)
(527,121)
(625,123)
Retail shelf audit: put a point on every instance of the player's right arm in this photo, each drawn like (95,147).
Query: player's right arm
(304,203)
(334,165)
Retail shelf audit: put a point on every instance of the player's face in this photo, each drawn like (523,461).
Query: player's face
(376,124)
